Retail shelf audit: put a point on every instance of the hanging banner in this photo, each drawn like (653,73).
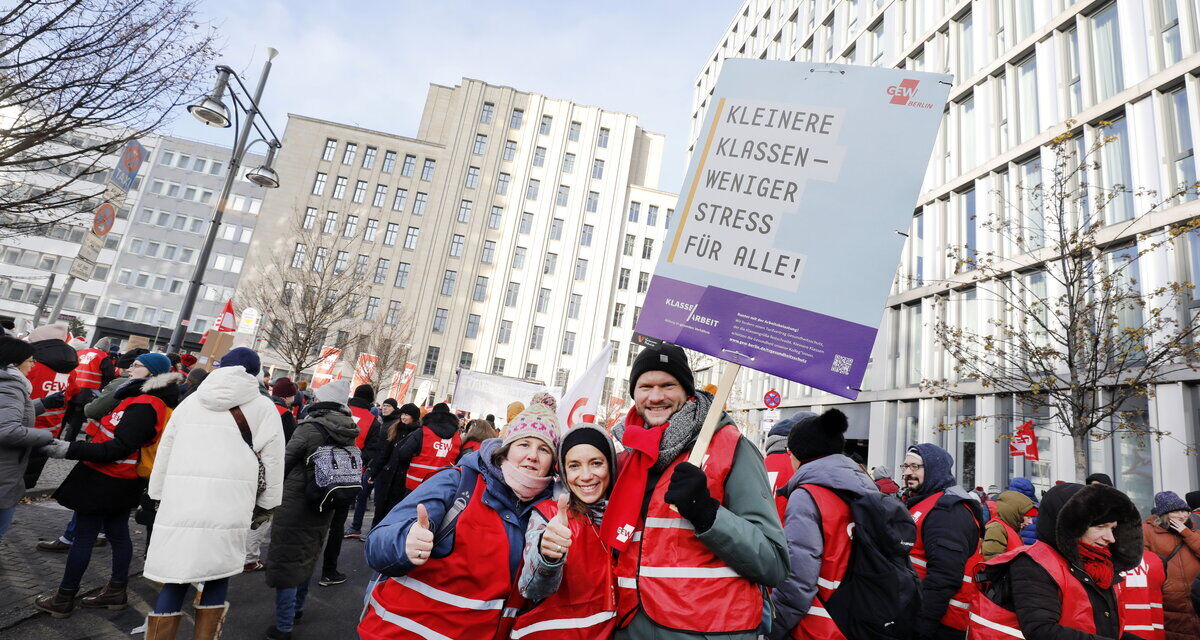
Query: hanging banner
(401,381)
(323,372)
(581,400)
(1024,443)
(793,211)
(484,393)
(364,370)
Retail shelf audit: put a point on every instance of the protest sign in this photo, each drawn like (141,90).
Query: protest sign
(401,381)
(364,370)
(484,393)
(793,210)
(323,372)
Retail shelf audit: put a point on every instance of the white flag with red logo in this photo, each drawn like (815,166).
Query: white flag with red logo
(323,372)
(1024,443)
(364,370)
(582,399)
(226,321)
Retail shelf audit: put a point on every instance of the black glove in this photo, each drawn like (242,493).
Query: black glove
(688,491)
(84,396)
(54,400)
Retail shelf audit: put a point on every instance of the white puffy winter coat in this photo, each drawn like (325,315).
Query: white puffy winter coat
(207,479)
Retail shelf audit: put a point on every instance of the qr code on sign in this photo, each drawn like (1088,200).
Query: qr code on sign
(842,364)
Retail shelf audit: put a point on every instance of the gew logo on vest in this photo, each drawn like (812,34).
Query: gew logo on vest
(905,94)
(442,447)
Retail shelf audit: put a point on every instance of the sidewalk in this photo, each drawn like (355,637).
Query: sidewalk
(26,572)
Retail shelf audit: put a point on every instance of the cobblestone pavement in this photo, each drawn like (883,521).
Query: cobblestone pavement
(25,573)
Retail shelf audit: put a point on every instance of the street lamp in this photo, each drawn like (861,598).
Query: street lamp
(211,110)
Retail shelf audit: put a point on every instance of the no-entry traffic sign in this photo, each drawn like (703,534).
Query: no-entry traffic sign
(772,399)
(106,215)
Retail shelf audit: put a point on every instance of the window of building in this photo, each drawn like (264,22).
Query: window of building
(504,334)
(419,202)
(618,314)
(643,282)
(464,210)
(381,270)
(510,150)
(372,308)
(568,164)
(550,264)
(399,199)
(1027,98)
(539,156)
(516,118)
(635,211)
(536,336)
(351,226)
(502,182)
(1107,76)
(349,153)
(627,246)
(1116,173)
(330,222)
(480,146)
(573,305)
(339,187)
(440,317)
(556,228)
(410,238)
(581,265)
(593,202)
(472,325)
(647,248)
(371,231)
(562,196)
(530,371)
(652,215)
(495,217)
(393,312)
(498,366)
(340,261)
(431,361)
(410,163)
(526,224)
(489,252)
(389,235)
(623,279)
(1179,143)
(1168,29)
(511,292)
(449,280)
(402,271)
(318,187)
(531,190)
(518,261)
(543,300)
(427,169)
(480,292)
(486,114)
(568,343)
(602,138)
(966,132)
(573,132)
(360,191)
(380,195)
(1071,68)
(389,161)
(319,259)
(456,245)
(544,127)
(369,158)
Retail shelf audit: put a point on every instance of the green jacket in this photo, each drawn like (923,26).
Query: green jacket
(747,535)
(104,403)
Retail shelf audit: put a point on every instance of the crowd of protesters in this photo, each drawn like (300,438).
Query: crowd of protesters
(535,530)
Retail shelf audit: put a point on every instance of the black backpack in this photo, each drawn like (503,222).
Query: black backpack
(333,475)
(880,595)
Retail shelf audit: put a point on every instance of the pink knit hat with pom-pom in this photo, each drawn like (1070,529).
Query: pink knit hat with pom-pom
(538,420)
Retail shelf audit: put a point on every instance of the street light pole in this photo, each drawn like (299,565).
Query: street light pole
(235,163)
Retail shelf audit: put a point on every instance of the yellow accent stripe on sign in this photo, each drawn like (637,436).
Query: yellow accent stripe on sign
(696,180)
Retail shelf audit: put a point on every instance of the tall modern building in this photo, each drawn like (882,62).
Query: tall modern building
(515,234)
(1022,69)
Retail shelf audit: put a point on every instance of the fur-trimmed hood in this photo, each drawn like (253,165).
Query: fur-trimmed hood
(164,386)
(1067,510)
(443,423)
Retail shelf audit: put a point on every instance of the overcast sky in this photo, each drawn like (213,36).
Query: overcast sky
(370,63)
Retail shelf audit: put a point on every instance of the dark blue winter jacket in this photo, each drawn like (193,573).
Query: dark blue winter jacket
(385,545)
(1023,485)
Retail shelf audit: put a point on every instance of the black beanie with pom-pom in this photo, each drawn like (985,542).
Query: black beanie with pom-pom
(818,436)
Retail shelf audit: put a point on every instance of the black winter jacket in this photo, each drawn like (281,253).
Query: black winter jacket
(374,443)
(389,481)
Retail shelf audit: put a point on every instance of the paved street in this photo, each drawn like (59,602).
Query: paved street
(331,612)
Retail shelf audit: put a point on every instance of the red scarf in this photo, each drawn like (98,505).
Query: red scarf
(624,511)
(1097,562)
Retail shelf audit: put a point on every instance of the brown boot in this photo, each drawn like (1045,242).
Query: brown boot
(112,597)
(162,626)
(209,621)
(59,604)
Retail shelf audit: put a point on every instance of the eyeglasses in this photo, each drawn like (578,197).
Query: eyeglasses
(911,467)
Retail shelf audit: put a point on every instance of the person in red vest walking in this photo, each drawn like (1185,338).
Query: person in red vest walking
(1014,510)
(1141,598)
(96,369)
(696,544)
(450,553)
(435,445)
(780,464)
(817,526)
(949,525)
(370,442)
(104,488)
(568,579)
(1065,586)
(54,361)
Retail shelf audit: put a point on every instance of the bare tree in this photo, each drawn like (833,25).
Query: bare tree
(1079,338)
(78,80)
(311,295)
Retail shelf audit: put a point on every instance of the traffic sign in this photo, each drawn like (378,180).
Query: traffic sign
(127,167)
(106,215)
(772,399)
(85,262)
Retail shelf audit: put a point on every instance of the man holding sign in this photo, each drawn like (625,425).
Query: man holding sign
(696,543)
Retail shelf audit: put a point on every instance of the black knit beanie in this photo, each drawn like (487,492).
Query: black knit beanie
(365,392)
(666,357)
(588,436)
(1102,478)
(13,351)
(392,401)
(818,436)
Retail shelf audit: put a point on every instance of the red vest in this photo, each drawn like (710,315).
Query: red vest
(435,453)
(1012,537)
(363,418)
(1141,597)
(46,381)
(990,621)
(88,374)
(468,447)
(459,596)
(673,577)
(585,605)
(835,559)
(956,612)
(127,467)
(779,471)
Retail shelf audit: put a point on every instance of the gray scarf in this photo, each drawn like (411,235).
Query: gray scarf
(681,430)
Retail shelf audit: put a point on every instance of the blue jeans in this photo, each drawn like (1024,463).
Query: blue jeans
(288,602)
(360,506)
(87,527)
(6,518)
(170,598)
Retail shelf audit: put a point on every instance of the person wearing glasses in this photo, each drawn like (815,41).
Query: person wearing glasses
(949,526)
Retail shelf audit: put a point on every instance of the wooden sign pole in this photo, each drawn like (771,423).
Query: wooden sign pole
(714,413)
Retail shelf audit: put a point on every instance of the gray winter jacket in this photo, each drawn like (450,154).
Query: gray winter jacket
(803,530)
(17,434)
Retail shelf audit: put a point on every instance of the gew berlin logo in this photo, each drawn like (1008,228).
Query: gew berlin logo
(904,93)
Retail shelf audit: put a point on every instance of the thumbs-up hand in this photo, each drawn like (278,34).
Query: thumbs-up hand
(419,543)
(556,539)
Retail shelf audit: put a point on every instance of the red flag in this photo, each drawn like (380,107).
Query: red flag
(364,370)
(226,321)
(1024,443)
(323,372)
(204,338)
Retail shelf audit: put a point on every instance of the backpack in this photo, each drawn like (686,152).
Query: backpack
(333,475)
(880,595)
(146,455)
